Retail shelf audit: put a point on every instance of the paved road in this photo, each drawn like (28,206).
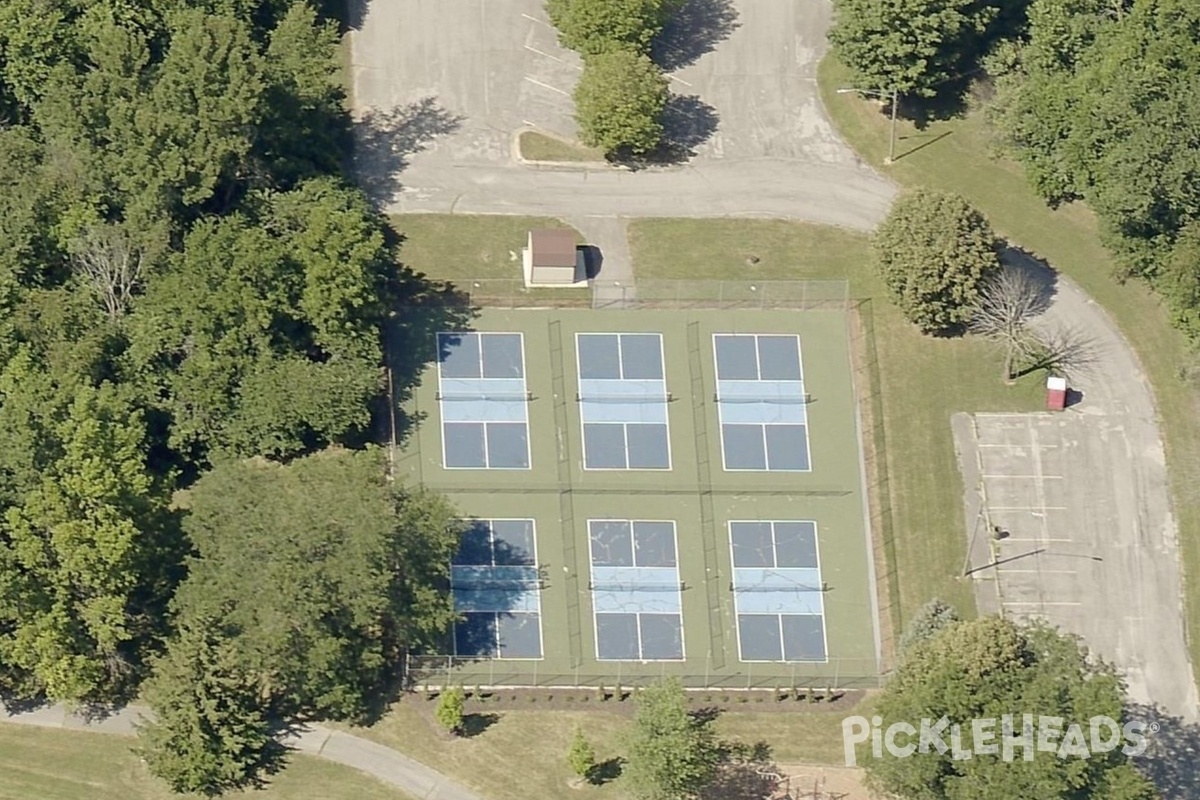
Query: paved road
(1093,544)
(460,77)
(389,766)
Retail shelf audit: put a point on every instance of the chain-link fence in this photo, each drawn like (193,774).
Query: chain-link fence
(837,673)
(802,295)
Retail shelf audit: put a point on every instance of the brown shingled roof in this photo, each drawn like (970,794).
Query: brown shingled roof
(553,248)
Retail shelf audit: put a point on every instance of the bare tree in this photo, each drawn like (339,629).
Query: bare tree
(1008,302)
(110,263)
(1063,350)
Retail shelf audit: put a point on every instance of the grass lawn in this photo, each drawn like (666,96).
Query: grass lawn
(922,381)
(536,146)
(481,254)
(62,765)
(536,742)
(954,155)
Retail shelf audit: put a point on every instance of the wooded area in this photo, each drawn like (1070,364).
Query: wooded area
(192,308)
(1097,98)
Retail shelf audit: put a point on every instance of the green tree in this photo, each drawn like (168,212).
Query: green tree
(910,46)
(88,557)
(209,734)
(602,26)
(323,572)
(933,252)
(987,667)
(672,755)
(619,102)
(265,339)
(1101,103)
(304,130)
(581,757)
(1180,281)
(449,711)
(932,618)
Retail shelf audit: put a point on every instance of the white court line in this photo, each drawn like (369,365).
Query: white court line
(546,86)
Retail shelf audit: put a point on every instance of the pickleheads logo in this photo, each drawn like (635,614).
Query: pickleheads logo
(1005,736)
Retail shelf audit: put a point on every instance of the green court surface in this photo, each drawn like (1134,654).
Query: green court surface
(697,493)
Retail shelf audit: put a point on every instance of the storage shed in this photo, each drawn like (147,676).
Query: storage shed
(552,259)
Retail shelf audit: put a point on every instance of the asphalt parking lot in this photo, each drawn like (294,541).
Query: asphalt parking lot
(1080,548)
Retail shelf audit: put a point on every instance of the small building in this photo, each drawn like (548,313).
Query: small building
(1056,393)
(551,258)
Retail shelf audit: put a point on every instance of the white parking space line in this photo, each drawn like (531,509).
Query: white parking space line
(1034,509)
(535,19)
(1034,539)
(546,86)
(1040,603)
(1041,477)
(1036,571)
(1019,446)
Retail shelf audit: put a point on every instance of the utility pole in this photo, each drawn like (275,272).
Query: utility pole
(891,156)
(882,95)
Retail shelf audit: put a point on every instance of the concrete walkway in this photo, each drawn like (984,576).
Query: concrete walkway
(389,766)
(614,284)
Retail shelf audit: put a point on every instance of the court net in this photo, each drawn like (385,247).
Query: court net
(625,398)
(798,400)
(606,586)
(498,397)
(779,586)
(499,585)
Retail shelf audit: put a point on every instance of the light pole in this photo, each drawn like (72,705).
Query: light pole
(891,156)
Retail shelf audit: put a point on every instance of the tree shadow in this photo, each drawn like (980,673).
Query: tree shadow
(13,704)
(605,771)
(1037,271)
(746,773)
(692,31)
(1172,748)
(742,782)
(410,337)
(703,716)
(348,14)
(475,724)
(385,140)
(951,101)
(688,122)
